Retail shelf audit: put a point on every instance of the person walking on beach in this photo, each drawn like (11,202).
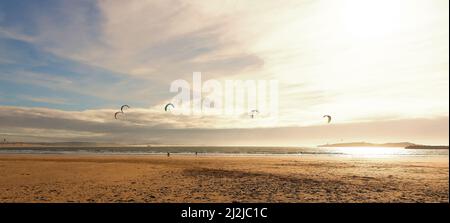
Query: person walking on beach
(168,154)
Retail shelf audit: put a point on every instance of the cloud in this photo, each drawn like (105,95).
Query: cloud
(151,39)
(53,100)
(168,41)
(294,43)
(17,36)
(146,126)
(134,119)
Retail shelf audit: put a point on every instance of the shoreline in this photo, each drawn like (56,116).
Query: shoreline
(231,151)
(236,155)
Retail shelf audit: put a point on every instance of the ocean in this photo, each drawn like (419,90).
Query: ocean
(231,151)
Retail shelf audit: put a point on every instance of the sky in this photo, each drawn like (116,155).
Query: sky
(379,68)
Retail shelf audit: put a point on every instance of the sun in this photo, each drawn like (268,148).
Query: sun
(368,20)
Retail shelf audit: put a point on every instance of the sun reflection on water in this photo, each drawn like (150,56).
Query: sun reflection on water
(373,151)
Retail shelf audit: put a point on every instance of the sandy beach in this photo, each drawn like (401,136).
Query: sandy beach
(183,178)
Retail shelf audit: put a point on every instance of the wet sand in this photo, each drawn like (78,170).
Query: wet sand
(140,178)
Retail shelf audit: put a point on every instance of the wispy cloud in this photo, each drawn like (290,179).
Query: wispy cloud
(12,35)
(58,101)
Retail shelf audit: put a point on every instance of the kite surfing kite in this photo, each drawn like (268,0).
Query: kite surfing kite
(122,108)
(166,108)
(116,114)
(253,113)
(328,117)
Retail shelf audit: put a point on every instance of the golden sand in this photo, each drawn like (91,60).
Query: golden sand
(152,178)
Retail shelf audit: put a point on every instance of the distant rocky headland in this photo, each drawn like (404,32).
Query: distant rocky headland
(426,147)
(406,145)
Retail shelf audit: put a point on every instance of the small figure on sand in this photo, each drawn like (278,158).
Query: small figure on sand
(168,154)
(196,153)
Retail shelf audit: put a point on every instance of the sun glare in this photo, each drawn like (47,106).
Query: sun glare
(367,20)
(372,151)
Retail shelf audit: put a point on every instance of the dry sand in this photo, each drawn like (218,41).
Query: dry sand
(120,178)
